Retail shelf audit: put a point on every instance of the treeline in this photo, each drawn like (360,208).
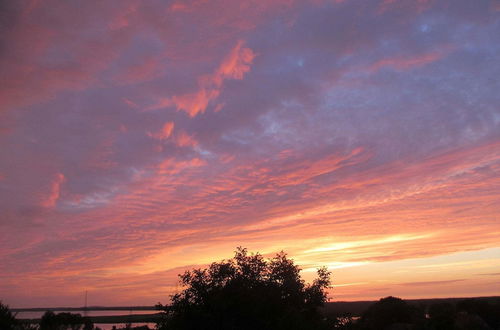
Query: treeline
(53,321)
(89,308)
(49,321)
(393,313)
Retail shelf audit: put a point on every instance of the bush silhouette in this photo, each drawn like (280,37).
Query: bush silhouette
(247,292)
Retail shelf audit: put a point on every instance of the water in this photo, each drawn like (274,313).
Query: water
(37,315)
(103,326)
(109,326)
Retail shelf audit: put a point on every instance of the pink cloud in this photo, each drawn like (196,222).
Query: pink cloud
(184,140)
(28,79)
(178,6)
(122,19)
(197,102)
(403,63)
(172,167)
(147,69)
(165,132)
(50,200)
(234,66)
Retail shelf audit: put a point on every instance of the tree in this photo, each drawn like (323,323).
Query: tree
(442,316)
(7,319)
(65,321)
(487,309)
(389,311)
(247,292)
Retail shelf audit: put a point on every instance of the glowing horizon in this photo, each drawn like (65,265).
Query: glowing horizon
(141,139)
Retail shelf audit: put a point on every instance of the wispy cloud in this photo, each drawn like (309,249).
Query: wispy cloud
(234,66)
(432,282)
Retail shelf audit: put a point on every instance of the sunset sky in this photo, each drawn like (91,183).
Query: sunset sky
(142,138)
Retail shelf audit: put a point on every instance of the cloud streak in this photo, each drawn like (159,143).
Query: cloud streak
(234,66)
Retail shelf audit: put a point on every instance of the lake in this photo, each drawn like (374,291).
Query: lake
(103,326)
(38,314)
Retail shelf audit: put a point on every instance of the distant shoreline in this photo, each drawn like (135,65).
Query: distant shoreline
(89,308)
(111,319)
(353,308)
(142,308)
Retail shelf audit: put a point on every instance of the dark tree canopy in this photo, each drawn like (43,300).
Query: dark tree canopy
(7,319)
(65,321)
(247,292)
(442,316)
(387,312)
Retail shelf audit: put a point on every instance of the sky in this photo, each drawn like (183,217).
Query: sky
(142,138)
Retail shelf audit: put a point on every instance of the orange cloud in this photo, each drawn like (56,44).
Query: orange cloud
(171,166)
(54,191)
(403,63)
(165,132)
(178,6)
(234,66)
(185,140)
(195,103)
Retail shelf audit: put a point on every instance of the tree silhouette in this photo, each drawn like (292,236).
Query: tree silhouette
(247,292)
(65,321)
(389,311)
(442,316)
(487,310)
(7,319)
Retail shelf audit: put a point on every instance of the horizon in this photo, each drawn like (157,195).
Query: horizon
(81,308)
(142,139)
